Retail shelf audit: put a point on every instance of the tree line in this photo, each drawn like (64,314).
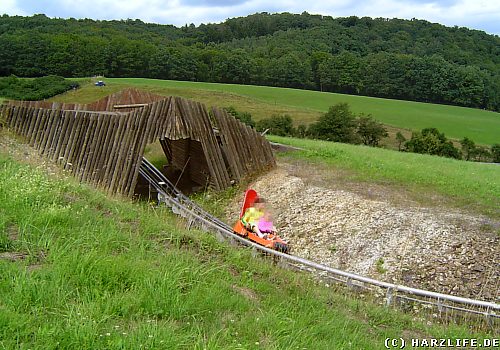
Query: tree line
(340,124)
(411,60)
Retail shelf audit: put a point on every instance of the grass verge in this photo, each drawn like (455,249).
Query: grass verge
(81,270)
(467,184)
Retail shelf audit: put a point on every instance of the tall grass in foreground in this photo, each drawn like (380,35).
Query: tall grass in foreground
(100,273)
(468,183)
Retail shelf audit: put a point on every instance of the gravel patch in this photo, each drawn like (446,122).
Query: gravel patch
(439,250)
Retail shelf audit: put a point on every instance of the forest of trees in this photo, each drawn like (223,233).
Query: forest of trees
(402,59)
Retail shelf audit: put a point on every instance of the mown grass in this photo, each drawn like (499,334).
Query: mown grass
(259,109)
(105,273)
(456,122)
(468,184)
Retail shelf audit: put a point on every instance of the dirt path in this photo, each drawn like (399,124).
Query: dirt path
(377,233)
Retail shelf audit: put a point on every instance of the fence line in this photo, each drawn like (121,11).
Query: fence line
(104,146)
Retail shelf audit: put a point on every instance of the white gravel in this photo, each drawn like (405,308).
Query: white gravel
(446,251)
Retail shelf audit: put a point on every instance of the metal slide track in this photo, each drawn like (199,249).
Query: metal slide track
(198,217)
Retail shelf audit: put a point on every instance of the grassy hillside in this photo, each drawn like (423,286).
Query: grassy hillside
(467,184)
(456,122)
(80,270)
(306,106)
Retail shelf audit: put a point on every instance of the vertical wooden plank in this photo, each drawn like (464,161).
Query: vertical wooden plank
(133,158)
(75,141)
(26,122)
(218,157)
(45,130)
(40,131)
(112,149)
(166,149)
(97,147)
(36,127)
(87,149)
(32,124)
(226,137)
(91,165)
(83,148)
(49,131)
(71,131)
(106,150)
(117,153)
(62,135)
(148,120)
(21,119)
(15,117)
(7,113)
(56,133)
(101,147)
(123,145)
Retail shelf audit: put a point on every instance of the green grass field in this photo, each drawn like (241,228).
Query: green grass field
(467,184)
(306,106)
(90,272)
(456,122)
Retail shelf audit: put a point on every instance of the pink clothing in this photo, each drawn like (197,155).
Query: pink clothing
(264,225)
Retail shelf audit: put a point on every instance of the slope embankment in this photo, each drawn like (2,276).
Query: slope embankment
(87,271)
(438,249)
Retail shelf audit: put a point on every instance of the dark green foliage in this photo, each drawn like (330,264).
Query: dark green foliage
(243,117)
(412,60)
(401,139)
(280,125)
(495,153)
(338,124)
(301,131)
(431,141)
(370,131)
(468,148)
(482,154)
(34,89)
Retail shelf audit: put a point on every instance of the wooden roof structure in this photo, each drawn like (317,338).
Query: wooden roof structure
(102,143)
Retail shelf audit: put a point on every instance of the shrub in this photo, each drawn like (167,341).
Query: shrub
(34,89)
(482,154)
(338,124)
(468,148)
(495,153)
(401,140)
(301,131)
(280,125)
(244,117)
(370,131)
(431,141)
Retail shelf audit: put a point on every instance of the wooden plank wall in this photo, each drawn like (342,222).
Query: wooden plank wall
(100,148)
(105,148)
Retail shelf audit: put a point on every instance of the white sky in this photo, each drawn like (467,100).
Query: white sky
(474,14)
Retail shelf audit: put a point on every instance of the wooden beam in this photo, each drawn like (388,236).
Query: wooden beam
(135,105)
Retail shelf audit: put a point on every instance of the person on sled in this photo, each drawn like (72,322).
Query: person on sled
(257,219)
(265,225)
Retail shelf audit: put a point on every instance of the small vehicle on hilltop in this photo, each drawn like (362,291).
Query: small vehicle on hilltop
(270,240)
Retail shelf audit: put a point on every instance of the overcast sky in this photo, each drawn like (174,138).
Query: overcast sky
(474,14)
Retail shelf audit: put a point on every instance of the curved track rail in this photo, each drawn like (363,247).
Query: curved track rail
(198,217)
